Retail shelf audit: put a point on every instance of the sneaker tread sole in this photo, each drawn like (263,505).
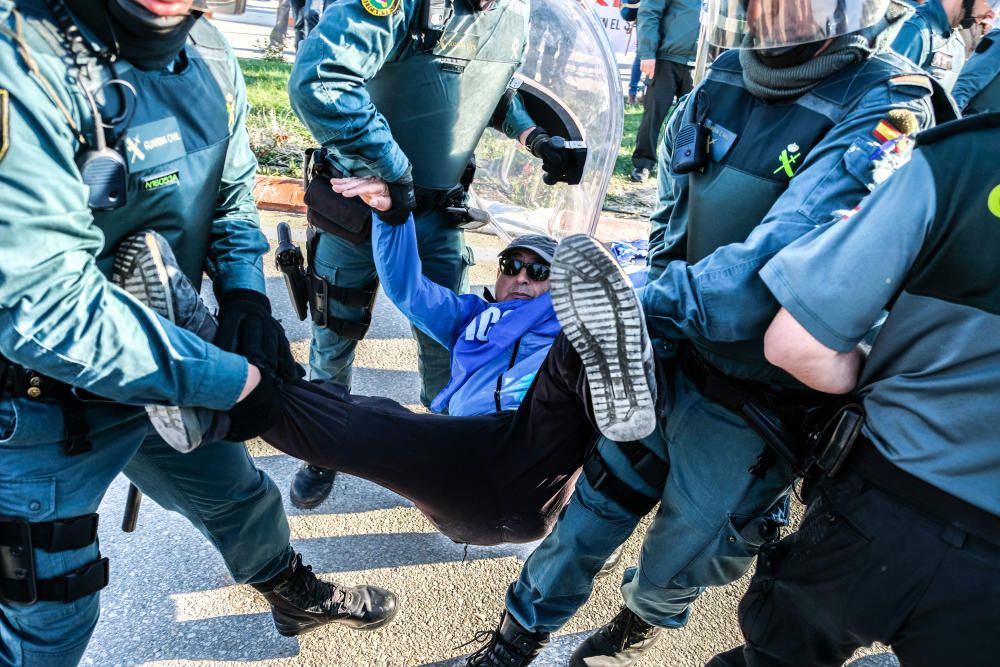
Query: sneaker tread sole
(601,318)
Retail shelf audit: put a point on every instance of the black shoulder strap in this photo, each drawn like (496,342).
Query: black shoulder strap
(973,123)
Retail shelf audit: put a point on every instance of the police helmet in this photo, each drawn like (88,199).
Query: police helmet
(772,24)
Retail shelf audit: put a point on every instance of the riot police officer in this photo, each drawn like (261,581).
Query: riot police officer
(790,128)
(117,116)
(901,541)
(978,87)
(403,91)
(932,39)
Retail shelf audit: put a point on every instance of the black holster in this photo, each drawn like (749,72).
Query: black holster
(346,217)
(19,538)
(320,292)
(789,421)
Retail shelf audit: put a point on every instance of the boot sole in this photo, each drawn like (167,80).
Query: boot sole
(602,319)
(139,269)
(294,631)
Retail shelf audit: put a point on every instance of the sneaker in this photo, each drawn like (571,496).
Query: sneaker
(602,318)
(509,645)
(620,643)
(310,486)
(638,175)
(300,602)
(146,268)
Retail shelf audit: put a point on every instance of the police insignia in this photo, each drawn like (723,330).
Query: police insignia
(4,122)
(993,201)
(381,7)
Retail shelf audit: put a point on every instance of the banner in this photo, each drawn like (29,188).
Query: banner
(620,33)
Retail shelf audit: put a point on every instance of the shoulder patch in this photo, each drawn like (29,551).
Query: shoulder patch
(918,80)
(4,122)
(381,7)
(984,45)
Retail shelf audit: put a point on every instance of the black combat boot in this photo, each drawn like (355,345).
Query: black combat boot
(509,645)
(300,602)
(310,486)
(620,643)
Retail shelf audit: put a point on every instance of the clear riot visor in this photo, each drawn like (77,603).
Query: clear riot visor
(769,24)
(220,6)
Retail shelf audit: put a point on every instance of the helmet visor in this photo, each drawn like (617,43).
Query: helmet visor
(768,24)
(220,6)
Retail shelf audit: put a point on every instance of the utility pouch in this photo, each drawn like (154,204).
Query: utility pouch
(691,144)
(288,259)
(17,562)
(838,438)
(346,217)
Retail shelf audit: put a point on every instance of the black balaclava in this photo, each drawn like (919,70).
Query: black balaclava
(147,41)
(789,56)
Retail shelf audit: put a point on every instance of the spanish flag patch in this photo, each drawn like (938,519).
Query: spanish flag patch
(885,131)
(4,122)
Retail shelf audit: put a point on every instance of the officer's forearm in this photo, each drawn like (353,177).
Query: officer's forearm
(789,346)
(95,337)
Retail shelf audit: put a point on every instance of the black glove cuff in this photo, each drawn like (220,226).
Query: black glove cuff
(248,295)
(404,201)
(534,141)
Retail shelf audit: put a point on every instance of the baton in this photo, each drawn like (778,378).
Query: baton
(132,503)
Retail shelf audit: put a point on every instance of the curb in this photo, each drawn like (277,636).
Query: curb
(279,193)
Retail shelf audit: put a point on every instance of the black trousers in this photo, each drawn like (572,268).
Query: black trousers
(481,480)
(670,81)
(866,567)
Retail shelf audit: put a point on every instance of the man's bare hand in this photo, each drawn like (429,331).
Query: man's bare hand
(372,190)
(648,67)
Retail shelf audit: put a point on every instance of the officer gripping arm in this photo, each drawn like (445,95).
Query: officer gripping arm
(246,325)
(327,90)
(59,315)
(702,300)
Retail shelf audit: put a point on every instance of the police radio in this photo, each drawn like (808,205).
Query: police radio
(436,15)
(105,172)
(691,143)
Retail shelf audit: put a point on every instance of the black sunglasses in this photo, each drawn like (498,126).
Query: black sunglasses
(536,270)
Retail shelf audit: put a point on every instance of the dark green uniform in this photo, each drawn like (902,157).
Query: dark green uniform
(383,95)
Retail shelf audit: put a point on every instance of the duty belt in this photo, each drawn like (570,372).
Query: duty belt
(19,382)
(782,417)
(866,461)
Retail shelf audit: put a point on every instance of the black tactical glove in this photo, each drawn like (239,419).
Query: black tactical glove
(404,200)
(552,152)
(258,412)
(247,328)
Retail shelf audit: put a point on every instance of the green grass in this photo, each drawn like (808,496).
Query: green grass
(278,137)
